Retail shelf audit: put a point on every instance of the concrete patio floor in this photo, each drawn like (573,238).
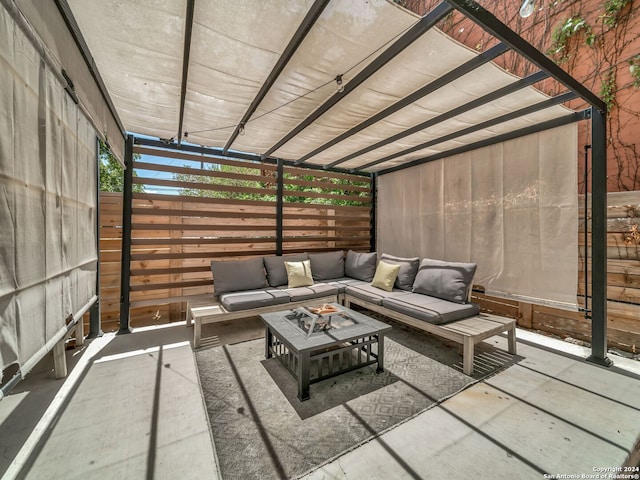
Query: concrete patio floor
(131,408)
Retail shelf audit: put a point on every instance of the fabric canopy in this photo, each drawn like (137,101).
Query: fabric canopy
(169,76)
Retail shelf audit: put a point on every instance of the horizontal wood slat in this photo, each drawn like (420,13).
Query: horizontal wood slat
(203,173)
(213,187)
(203,158)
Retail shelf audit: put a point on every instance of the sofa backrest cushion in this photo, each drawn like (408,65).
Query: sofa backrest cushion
(361,266)
(236,275)
(447,280)
(327,266)
(408,270)
(299,274)
(276,272)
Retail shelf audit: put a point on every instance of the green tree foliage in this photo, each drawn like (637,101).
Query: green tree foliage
(112,172)
(240,177)
(341,188)
(227,176)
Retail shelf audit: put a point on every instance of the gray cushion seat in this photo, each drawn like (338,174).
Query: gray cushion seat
(264,297)
(316,290)
(430,309)
(342,283)
(373,294)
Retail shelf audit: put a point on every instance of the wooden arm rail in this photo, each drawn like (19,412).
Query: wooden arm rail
(205,309)
(466,332)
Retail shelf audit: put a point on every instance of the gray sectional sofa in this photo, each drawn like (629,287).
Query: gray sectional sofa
(430,290)
(428,294)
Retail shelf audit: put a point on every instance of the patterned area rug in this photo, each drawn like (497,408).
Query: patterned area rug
(262,431)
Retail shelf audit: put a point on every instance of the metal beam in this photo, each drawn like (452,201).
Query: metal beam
(279,207)
(478,102)
(565,97)
(305,27)
(186,52)
(218,152)
(125,269)
(414,33)
(491,24)
(95,317)
(454,74)
(556,122)
(598,239)
(74,29)
(373,215)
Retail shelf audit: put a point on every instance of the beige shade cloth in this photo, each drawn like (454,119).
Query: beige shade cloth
(48,200)
(512,208)
(138,47)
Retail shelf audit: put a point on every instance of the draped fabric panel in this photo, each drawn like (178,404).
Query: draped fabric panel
(512,208)
(48,200)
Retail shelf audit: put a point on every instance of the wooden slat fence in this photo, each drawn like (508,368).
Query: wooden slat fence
(198,208)
(176,236)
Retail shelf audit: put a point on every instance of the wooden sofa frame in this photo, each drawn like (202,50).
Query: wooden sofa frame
(467,332)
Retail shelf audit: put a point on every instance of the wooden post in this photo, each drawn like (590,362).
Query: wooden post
(525,315)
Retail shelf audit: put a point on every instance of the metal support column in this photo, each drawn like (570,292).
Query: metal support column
(95,325)
(372,218)
(279,206)
(599,239)
(125,270)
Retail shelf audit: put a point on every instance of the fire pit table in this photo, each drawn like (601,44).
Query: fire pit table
(315,343)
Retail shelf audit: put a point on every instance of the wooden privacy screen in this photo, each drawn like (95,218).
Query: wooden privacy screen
(332,224)
(189,209)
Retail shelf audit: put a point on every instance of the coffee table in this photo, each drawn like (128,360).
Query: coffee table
(354,340)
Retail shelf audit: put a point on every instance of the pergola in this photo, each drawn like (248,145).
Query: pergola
(358,87)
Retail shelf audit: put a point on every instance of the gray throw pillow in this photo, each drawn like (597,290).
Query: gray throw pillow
(276,273)
(447,280)
(408,270)
(236,275)
(327,266)
(361,266)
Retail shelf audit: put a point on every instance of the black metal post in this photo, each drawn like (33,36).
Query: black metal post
(95,326)
(125,270)
(587,312)
(599,238)
(374,207)
(279,206)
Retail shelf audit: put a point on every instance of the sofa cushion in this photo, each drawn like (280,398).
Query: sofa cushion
(342,283)
(326,266)
(447,280)
(307,293)
(361,266)
(276,273)
(372,294)
(430,309)
(234,301)
(237,275)
(408,270)
(299,274)
(385,276)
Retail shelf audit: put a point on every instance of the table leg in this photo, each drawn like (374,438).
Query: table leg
(268,339)
(380,368)
(467,356)
(511,336)
(197,332)
(303,376)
